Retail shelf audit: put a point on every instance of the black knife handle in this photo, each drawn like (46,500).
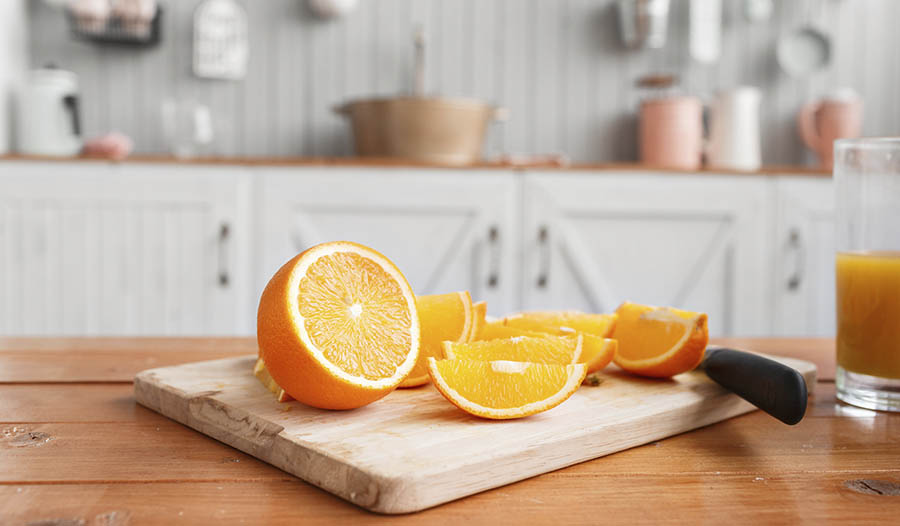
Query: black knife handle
(771,386)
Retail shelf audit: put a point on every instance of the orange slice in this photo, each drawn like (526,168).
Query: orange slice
(659,341)
(541,349)
(503,390)
(562,322)
(337,326)
(494,330)
(479,313)
(260,372)
(441,317)
(596,352)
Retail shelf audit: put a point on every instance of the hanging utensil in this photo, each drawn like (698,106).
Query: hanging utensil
(706,30)
(643,22)
(804,51)
(758,10)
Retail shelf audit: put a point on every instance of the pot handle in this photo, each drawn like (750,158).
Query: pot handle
(705,133)
(809,132)
(500,113)
(342,109)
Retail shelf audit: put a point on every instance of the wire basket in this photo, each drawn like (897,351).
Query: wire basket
(116,30)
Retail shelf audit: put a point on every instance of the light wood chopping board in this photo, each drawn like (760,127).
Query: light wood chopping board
(413,449)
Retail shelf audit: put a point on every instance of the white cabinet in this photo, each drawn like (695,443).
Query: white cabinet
(97,248)
(157,248)
(802,252)
(593,240)
(446,230)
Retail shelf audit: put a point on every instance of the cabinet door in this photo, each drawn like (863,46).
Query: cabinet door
(804,258)
(593,240)
(446,230)
(94,248)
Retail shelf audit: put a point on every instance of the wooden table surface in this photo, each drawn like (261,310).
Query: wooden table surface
(76,449)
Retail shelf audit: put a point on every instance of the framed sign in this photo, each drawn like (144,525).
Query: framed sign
(220,40)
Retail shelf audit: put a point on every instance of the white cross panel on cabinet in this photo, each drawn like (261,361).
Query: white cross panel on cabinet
(445,230)
(591,241)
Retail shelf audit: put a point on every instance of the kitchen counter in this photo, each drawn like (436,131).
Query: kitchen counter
(76,447)
(397,163)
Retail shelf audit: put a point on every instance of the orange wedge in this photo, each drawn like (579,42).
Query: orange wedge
(479,313)
(441,317)
(337,326)
(541,349)
(260,372)
(596,352)
(495,330)
(503,390)
(659,341)
(562,322)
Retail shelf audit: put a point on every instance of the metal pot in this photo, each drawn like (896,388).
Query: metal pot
(436,130)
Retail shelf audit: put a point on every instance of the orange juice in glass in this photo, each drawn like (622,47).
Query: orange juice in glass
(867,221)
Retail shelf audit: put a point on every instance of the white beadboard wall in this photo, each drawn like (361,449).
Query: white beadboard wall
(556,64)
(13,58)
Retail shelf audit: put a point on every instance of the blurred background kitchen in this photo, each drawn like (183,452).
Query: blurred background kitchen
(162,159)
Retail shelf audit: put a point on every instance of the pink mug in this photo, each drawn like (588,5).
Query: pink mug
(671,132)
(821,123)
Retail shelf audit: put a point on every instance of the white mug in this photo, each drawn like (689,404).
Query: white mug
(734,130)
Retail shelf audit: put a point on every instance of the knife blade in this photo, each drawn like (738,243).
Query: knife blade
(769,385)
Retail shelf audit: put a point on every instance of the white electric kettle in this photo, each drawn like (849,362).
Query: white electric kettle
(734,130)
(47,114)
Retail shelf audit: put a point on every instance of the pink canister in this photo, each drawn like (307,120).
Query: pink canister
(671,132)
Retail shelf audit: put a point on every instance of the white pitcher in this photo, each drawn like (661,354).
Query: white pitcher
(734,130)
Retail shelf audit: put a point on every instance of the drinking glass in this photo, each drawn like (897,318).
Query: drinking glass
(867,220)
(187,127)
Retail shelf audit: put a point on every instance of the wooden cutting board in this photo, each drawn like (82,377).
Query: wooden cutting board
(413,449)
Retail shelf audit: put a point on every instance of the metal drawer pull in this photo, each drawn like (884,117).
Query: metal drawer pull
(224,234)
(795,245)
(493,279)
(544,248)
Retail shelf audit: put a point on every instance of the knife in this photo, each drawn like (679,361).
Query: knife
(769,385)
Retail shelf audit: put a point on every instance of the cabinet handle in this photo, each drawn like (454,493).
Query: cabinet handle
(795,246)
(224,234)
(543,240)
(493,279)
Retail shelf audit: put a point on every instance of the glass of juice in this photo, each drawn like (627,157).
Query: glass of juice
(867,222)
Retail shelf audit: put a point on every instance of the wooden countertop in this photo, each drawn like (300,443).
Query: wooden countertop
(399,163)
(76,447)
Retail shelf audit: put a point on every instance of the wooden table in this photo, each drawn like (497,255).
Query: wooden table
(74,447)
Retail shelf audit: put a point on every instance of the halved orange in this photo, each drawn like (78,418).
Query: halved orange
(441,317)
(337,326)
(261,373)
(596,352)
(503,390)
(561,322)
(540,349)
(659,341)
